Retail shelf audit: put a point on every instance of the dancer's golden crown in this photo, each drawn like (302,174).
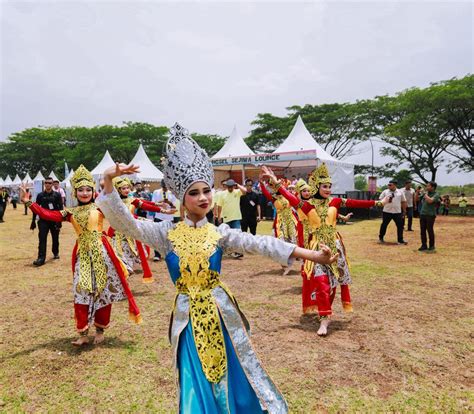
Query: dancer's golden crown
(319,176)
(82,177)
(120,182)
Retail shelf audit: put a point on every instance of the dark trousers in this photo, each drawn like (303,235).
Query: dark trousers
(386,219)
(427,226)
(44,227)
(409,217)
(249,223)
(2,210)
(26,209)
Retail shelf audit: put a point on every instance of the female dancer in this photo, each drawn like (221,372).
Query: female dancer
(286,221)
(99,275)
(218,370)
(129,250)
(321,211)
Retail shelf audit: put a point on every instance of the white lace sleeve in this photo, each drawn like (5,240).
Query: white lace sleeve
(269,246)
(120,218)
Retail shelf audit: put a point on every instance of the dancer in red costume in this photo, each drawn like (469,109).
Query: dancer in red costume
(320,212)
(99,276)
(286,220)
(129,250)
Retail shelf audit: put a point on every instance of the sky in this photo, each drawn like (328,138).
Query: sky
(213,65)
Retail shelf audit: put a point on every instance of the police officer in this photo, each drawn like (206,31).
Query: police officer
(50,200)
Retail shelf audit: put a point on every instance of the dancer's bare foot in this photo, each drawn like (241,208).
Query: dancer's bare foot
(99,338)
(82,340)
(323,327)
(286,270)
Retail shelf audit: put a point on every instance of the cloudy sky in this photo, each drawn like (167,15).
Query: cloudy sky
(212,65)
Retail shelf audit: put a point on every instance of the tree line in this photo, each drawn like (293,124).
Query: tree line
(422,129)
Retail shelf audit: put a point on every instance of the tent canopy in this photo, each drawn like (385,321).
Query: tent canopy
(27,179)
(53,176)
(17,180)
(234,147)
(39,177)
(105,163)
(8,181)
(67,180)
(148,171)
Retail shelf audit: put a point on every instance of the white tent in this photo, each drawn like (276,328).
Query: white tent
(66,185)
(105,163)
(1,181)
(67,181)
(234,147)
(27,179)
(300,139)
(39,177)
(37,184)
(148,171)
(16,181)
(53,176)
(8,181)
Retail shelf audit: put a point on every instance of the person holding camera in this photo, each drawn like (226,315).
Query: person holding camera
(394,210)
(50,200)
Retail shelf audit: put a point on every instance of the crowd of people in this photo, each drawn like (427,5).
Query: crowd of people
(190,225)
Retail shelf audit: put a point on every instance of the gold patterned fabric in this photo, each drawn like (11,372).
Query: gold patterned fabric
(195,246)
(120,237)
(286,222)
(87,222)
(322,221)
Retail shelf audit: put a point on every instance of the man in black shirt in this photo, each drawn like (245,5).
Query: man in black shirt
(250,208)
(50,200)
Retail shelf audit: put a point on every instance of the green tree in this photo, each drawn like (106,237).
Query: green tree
(360,183)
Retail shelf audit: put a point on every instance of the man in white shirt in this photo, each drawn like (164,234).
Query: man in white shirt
(409,194)
(163,195)
(59,190)
(394,210)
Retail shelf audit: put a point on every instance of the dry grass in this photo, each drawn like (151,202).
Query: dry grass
(407,348)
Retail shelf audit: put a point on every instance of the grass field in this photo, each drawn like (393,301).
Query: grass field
(408,347)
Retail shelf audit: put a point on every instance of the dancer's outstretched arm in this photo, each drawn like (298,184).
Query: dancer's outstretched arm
(119,216)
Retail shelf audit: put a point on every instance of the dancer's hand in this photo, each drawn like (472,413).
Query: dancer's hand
(324,255)
(345,218)
(386,200)
(121,169)
(269,174)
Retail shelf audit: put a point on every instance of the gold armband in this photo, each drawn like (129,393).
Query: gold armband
(277,185)
(378,203)
(28,203)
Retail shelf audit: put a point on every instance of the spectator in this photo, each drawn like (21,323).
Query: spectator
(49,200)
(14,197)
(163,195)
(28,195)
(446,205)
(463,205)
(428,215)
(250,209)
(394,210)
(229,204)
(3,202)
(409,194)
(59,190)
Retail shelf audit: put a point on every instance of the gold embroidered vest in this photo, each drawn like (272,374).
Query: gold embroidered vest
(87,222)
(120,237)
(195,246)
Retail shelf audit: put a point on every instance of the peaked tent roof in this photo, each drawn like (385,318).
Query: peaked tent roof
(148,171)
(67,180)
(105,163)
(300,140)
(39,177)
(8,181)
(234,147)
(27,179)
(1,181)
(17,180)
(53,176)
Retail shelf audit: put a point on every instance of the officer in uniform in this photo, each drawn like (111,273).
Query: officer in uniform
(50,200)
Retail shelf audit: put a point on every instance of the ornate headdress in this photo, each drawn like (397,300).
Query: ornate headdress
(185,163)
(81,177)
(302,185)
(120,182)
(318,176)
